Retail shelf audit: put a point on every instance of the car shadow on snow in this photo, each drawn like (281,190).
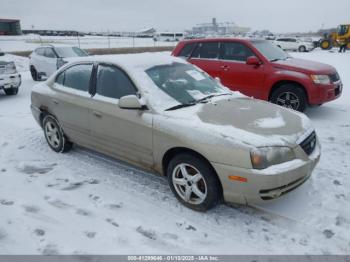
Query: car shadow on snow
(324,112)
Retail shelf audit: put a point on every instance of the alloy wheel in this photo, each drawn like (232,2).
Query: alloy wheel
(189,184)
(53,134)
(289,100)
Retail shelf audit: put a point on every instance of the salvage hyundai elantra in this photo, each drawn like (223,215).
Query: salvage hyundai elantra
(162,114)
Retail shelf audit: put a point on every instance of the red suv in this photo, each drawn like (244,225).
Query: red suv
(262,70)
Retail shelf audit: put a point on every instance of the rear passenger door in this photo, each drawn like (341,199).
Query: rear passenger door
(236,74)
(206,57)
(70,102)
(123,133)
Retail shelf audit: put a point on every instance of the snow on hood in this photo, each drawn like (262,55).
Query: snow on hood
(304,66)
(244,121)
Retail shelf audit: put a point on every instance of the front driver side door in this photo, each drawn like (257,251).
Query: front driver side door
(236,74)
(122,133)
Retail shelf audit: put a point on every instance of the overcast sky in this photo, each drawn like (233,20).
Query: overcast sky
(130,15)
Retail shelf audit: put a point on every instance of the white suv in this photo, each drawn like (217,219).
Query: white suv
(10,79)
(294,44)
(45,60)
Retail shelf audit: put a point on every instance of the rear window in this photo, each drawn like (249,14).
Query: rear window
(187,50)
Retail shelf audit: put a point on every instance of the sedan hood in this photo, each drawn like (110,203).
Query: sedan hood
(304,66)
(248,121)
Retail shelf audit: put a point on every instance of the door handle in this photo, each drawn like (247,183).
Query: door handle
(55,101)
(97,114)
(225,67)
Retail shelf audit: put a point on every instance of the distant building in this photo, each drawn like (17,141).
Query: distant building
(10,27)
(214,28)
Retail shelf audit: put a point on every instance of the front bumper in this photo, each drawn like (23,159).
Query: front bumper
(10,81)
(325,93)
(265,185)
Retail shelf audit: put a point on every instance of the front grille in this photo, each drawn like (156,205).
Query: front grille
(337,91)
(334,77)
(309,144)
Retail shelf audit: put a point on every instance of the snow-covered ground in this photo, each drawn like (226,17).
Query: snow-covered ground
(86,203)
(30,42)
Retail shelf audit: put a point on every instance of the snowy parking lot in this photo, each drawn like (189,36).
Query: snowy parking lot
(85,203)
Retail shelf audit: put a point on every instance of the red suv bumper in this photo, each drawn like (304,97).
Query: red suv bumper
(325,93)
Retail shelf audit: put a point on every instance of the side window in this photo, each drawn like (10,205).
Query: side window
(60,78)
(49,53)
(235,51)
(209,50)
(187,50)
(40,51)
(113,82)
(76,77)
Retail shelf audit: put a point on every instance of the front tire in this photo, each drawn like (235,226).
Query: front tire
(326,44)
(290,96)
(194,182)
(54,135)
(11,91)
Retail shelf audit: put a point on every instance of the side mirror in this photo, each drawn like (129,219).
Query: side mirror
(253,60)
(131,102)
(2,53)
(217,79)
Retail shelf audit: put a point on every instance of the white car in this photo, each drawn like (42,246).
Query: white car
(10,79)
(294,44)
(45,60)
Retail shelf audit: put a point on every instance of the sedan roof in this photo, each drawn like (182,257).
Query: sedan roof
(141,61)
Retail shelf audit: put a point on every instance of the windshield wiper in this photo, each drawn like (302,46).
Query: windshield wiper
(194,102)
(181,106)
(275,60)
(211,96)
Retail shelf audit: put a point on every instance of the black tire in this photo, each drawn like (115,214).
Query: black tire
(326,44)
(209,183)
(11,91)
(34,74)
(61,143)
(302,49)
(290,96)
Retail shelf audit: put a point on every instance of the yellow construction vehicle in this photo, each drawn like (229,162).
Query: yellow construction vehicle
(335,39)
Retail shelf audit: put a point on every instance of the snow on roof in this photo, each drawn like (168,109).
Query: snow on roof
(141,61)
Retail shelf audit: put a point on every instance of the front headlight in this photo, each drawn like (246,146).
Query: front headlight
(267,156)
(321,79)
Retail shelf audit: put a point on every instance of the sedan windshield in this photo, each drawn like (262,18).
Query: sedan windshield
(270,51)
(184,82)
(70,52)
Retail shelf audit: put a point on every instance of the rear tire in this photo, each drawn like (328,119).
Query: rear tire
(11,91)
(302,49)
(290,96)
(194,182)
(54,135)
